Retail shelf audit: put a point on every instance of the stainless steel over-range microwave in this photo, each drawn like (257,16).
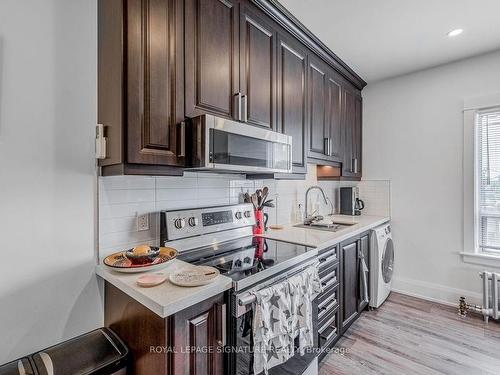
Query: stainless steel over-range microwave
(216,143)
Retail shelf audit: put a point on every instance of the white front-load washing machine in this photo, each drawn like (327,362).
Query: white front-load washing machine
(381,264)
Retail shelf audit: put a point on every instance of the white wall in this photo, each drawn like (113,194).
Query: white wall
(413,136)
(48,291)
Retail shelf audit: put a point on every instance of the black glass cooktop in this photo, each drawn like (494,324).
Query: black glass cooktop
(244,257)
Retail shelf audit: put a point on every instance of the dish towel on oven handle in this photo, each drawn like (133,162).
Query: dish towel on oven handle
(282,312)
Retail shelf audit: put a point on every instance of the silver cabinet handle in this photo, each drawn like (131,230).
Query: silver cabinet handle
(237,106)
(327,284)
(330,146)
(328,324)
(328,337)
(325,309)
(244,108)
(326,146)
(325,262)
(326,257)
(223,341)
(354,165)
(182,129)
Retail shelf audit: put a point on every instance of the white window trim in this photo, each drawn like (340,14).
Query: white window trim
(471,253)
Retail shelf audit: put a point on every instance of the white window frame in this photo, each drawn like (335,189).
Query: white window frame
(471,252)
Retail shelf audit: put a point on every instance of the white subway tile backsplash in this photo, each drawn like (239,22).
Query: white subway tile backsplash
(127,182)
(127,196)
(176,194)
(119,224)
(122,198)
(112,211)
(190,182)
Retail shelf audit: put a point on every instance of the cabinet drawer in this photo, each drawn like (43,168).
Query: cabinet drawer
(329,276)
(327,293)
(328,257)
(328,302)
(328,328)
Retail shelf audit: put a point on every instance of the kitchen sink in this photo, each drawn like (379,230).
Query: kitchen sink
(329,227)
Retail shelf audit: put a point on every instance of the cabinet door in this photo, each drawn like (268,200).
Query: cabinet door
(334,111)
(364,248)
(350,283)
(292,98)
(211,57)
(318,98)
(258,65)
(352,123)
(155,79)
(199,328)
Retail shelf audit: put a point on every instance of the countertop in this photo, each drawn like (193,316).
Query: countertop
(165,299)
(322,238)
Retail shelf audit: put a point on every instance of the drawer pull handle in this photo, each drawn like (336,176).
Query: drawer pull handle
(330,306)
(326,261)
(327,284)
(325,302)
(329,336)
(328,324)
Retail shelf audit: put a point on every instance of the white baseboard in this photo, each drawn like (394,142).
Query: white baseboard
(434,292)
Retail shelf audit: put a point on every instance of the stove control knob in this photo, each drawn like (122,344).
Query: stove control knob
(179,223)
(247,260)
(193,221)
(238,215)
(248,214)
(237,262)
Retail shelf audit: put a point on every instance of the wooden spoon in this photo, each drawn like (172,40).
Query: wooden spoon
(255,201)
(265,192)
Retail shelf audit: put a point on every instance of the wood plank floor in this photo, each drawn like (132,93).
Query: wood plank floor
(408,335)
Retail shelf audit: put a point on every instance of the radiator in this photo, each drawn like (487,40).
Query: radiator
(491,301)
(490,294)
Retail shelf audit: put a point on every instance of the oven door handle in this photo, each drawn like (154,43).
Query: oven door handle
(248,298)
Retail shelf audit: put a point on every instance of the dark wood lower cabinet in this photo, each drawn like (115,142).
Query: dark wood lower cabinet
(188,342)
(351,282)
(199,328)
(364,248)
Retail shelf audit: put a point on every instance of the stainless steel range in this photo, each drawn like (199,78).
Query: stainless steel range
(222,237)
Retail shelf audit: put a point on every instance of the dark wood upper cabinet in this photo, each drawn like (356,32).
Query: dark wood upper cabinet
(161,62)
(350,282)
(154,81)
(317,102)
(325,116)
(334,118)
(258,35)
(141,85)
(351,129)
(212,57)
(292,98)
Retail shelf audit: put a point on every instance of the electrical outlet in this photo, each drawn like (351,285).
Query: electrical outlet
(143,222)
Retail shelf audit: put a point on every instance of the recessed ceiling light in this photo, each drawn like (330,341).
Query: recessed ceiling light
(455,32)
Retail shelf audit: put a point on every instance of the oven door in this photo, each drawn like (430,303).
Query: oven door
(223,144)
(241,342)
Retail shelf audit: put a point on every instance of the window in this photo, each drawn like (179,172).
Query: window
(487,181)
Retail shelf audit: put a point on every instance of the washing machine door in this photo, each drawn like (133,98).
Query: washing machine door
(388,261)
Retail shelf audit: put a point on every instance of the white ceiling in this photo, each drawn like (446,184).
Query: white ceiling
(386,38)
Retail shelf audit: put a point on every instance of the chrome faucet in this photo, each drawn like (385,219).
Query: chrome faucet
(308,220)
